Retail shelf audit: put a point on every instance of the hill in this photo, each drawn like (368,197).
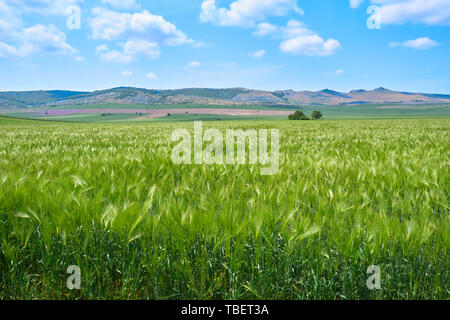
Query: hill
(232,96)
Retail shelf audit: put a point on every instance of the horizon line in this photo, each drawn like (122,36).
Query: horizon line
(223,88)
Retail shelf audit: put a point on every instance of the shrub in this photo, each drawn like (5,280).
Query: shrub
(298,115)
(316,115)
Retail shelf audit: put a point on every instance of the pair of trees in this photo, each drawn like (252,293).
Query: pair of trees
(299,115)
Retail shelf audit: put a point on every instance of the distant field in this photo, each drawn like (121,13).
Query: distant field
(204,117)
(136,113)
(132,118)
(381,111)
(80,117)
(8,121)
(176,106)
(107,198)
(131,115)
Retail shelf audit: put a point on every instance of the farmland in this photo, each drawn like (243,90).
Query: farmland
(107,197)
(190,112)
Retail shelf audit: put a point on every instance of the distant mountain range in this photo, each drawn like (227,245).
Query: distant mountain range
(226,97)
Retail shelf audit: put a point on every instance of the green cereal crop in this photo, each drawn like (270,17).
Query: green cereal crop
(108,198)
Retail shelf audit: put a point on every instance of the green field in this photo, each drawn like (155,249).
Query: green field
(174,106)
(379,111)
(133,118)
(204,117)
(109,199)
(365,111)
(79,117)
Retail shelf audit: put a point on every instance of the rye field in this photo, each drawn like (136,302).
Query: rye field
(108,199)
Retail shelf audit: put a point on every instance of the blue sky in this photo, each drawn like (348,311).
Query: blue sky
(259,44)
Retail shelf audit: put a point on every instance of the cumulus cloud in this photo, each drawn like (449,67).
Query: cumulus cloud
(10,20)
(47,38)
(39,39)
(130,51)
(115,56)
(137,47)
(246,12)
(111,25)
(310,45)
(264,29)
(299,40)
(430,12)
(418,44)
(257,54)
(303,41)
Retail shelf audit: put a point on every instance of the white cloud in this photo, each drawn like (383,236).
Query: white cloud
(130,50)
(79,58)
(7,51)
(299,40)
(111,25)
(194,64)
(246,12)
(418,44)
(115,56)
(47,39)
(39,39)
(312,45)
(102,47)
(142,47)
(264,29)
(123,4)
(152,76)
(355,3)
(127,73)
(10,20)
(339,71)
(257,54)
(430,12)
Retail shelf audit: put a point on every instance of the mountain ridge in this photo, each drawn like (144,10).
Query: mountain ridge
(211,96)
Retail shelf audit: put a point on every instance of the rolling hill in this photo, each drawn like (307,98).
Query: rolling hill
(232,96)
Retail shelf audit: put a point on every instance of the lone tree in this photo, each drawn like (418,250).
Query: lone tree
(298,115)
(316,115)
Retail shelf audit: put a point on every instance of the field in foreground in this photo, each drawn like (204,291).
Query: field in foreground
(108,198)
